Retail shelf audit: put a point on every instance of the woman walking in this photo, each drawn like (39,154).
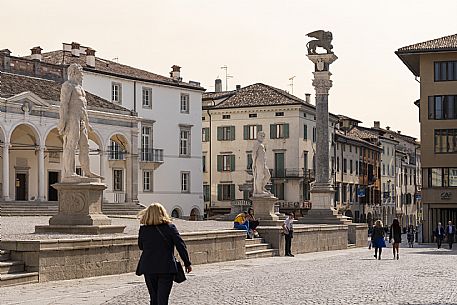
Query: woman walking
(395,234)
(377,239)
(157,238)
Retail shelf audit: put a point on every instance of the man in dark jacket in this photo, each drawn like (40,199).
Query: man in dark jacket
(439,234)
(450,233)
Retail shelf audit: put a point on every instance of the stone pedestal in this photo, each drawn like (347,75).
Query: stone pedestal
(264,209)
(80,210)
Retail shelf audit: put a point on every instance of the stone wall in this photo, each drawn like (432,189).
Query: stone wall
(87,257)
(358,234)
(308,238)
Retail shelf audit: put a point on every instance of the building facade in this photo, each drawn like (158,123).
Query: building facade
(435,63)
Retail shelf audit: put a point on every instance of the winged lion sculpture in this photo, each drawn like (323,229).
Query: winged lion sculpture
(323,40)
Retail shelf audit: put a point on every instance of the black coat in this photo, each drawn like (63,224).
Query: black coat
(158,254)
(439,233)
(395,234)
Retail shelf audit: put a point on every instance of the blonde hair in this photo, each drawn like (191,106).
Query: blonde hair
(155,214)
(378,224)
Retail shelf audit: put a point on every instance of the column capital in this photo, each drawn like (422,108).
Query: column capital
(322,86)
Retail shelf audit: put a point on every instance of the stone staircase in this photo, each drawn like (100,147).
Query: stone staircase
(13,272)
(256,248)
(49,208)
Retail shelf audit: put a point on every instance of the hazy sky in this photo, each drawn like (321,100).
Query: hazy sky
(259,40)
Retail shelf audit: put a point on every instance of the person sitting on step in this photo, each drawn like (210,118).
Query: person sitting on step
(241,223)
(253,223)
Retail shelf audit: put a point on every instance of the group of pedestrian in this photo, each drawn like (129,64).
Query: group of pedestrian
(442,233)
(378,238)
(247,222)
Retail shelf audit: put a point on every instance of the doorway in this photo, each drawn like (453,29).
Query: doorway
(21,186)
(53,177)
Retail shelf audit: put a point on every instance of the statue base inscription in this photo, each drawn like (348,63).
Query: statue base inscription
(264,209)
(80,210)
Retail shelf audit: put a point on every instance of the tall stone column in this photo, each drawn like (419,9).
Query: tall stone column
(41,174)
(6,171)
(132,170)
(103,164)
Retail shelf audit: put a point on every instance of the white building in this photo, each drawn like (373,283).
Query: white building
(160,161)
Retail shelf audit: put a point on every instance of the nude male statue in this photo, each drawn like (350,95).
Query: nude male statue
(74,125)
(259,167)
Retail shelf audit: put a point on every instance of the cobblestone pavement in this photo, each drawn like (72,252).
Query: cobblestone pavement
(338,277)
(22,227)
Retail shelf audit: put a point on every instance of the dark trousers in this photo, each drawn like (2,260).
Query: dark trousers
(439,240)
(288,238)
(450,240)
(253,224)
(159,287)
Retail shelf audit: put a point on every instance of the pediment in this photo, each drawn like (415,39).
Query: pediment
(30,97)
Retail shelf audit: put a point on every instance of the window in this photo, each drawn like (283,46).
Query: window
(445,71)
(345,165)
(225,192)
(249,161)
(184,103)
(442,177)
(226,163)
(116,151)
(337,164)
(445,140)
(356,167)
(383,169)
(442,107)
(79,171)
(305,132)
(278,190)
(226,117)
(185,182)
(279,113)
(279,131)
(116,92)
(350,167)
(184,143)
(206,192)
(147,181)
(204,163)
(253,115)
(250,131)
(146,143)
(344,193)
(205,134)
(226,133)
(147,97)
(314,134)
(118,175)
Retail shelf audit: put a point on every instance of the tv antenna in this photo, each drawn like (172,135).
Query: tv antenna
(292,83)
(226,76)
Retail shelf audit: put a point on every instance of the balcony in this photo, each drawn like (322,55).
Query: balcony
(116,154)
(151,155)
(293,173)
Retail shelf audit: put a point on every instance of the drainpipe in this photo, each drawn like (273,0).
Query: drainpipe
(210,165)
(134,96)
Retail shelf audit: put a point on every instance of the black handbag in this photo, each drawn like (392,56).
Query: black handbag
(181,275)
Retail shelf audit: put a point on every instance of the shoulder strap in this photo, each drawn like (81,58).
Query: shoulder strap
(160,231)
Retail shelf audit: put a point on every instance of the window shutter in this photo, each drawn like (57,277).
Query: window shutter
(219,192)
(246,132)
(286,131)
(305,132)
(219,163)
(207,135)
(232,163)
(232,133)
(232,191)
(272,131)
(219,134)
(259,128)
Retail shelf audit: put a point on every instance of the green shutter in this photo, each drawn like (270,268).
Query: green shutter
(232,163)
(249,161)
(272,131)
(219,192)
(232,191)
(219,133)
(305,132)
(219,163)
(286,131)
(246,132)
(232,133)
(207,135)
(259,128)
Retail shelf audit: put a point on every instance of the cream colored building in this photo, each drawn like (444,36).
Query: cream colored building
(435,63)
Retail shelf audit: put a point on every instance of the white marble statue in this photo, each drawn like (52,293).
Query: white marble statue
(74,125)
(260,170)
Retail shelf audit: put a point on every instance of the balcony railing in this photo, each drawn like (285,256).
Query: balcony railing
(114,153)
(151,155)
(307,174)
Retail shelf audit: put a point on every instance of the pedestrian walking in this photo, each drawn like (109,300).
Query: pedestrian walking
(410,236)
(158,238)
(439,234)
(288,228)
(450,233)
(395,235)
(377,239)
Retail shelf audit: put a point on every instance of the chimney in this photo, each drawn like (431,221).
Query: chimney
(238,87)
(308,98)
(90,57)
(399,131)
(6,59)
(377,124)
(75,49)
(218,85)
(175,73)
(388,127)
(36,53)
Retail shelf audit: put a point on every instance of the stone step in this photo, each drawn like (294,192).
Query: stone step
(261,253)
(254,241)
(11,267)
(18,278)
(255,247)
(4,255)
(351,246)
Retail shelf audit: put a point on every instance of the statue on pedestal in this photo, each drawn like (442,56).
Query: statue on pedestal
(74,125)
(260,170)
(323,40)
